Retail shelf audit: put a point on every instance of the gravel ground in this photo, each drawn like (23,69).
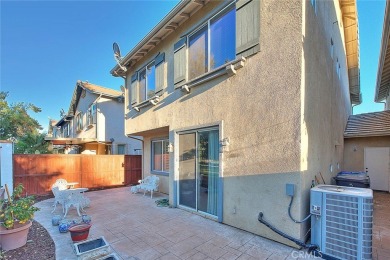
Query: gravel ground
(40,245)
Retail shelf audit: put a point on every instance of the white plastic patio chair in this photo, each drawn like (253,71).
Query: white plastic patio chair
(150,184)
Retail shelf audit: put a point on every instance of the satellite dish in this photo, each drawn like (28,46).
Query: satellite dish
(117,55)
(117,50)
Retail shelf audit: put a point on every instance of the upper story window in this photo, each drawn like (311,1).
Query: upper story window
(233,31)
(79,122)
(67,130)
(91,114)
(148,81)
(213,44)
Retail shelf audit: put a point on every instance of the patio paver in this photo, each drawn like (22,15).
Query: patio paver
(136,228)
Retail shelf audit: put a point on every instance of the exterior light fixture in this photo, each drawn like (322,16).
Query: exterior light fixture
(170,148)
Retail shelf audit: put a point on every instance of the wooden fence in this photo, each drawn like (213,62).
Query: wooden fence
(38,172)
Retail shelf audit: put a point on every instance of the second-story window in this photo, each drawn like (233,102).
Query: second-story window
(79,121)
(233,31)
(148,81)
(91,114)
(213,44)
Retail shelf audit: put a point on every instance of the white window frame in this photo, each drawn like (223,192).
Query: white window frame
(161,140)
(79,121)
(144,69)
(197,29)
(91,114)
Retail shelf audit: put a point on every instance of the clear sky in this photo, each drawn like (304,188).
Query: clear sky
(46,46)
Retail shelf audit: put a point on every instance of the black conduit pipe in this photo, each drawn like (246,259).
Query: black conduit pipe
(310,247)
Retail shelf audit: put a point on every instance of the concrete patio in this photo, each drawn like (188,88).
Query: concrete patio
(136,228)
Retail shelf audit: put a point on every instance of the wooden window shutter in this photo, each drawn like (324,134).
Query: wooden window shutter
(247,27)
(133,88)
(160,71)
(180,63)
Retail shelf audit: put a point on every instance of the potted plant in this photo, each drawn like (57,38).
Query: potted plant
(16,213)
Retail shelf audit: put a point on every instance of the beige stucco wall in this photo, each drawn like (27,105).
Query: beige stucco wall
(325,95)
(251,109)
(279,113)
(354,150)
(146,162)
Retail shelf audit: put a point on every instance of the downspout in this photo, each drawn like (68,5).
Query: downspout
(97,120)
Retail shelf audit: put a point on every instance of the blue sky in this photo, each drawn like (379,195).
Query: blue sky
(46,46)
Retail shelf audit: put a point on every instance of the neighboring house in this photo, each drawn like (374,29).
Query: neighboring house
(367,136)
(367,147)
(94,124)
(235,100)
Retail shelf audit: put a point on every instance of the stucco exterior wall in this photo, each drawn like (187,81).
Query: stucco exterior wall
(109,124)
(258,110)
(284,114)
(354,150)
(147,171)
(83,106)
(325,95)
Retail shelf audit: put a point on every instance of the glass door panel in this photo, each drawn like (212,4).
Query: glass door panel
(208,171)
(187,170)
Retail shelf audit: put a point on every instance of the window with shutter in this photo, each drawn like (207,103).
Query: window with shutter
(231,33)
(247,27)
(160,72)
(133,89)
(180,65)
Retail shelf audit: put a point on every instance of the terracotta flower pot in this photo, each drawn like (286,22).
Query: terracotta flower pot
(14,238)
(79,232)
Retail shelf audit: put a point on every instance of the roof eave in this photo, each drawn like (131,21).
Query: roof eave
(382,57)
(351,33)
(164,24)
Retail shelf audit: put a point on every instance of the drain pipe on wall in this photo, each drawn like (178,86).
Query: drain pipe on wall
(289,192)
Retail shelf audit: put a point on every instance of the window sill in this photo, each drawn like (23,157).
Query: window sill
(151,101)
(229,68)
(160,173)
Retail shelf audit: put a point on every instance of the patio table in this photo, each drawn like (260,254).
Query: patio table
(71,184)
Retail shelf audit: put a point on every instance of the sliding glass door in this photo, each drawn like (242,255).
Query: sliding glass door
(199,170)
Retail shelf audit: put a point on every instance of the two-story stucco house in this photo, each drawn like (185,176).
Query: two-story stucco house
(94,123)
(236,99)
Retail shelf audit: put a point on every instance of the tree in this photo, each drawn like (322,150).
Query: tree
(17,125)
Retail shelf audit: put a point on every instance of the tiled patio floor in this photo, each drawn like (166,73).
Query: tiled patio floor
(136,228)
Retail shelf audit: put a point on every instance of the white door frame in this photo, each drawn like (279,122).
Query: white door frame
(377,166)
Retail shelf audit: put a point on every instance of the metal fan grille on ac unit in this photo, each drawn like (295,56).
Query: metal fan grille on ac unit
(342,226)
